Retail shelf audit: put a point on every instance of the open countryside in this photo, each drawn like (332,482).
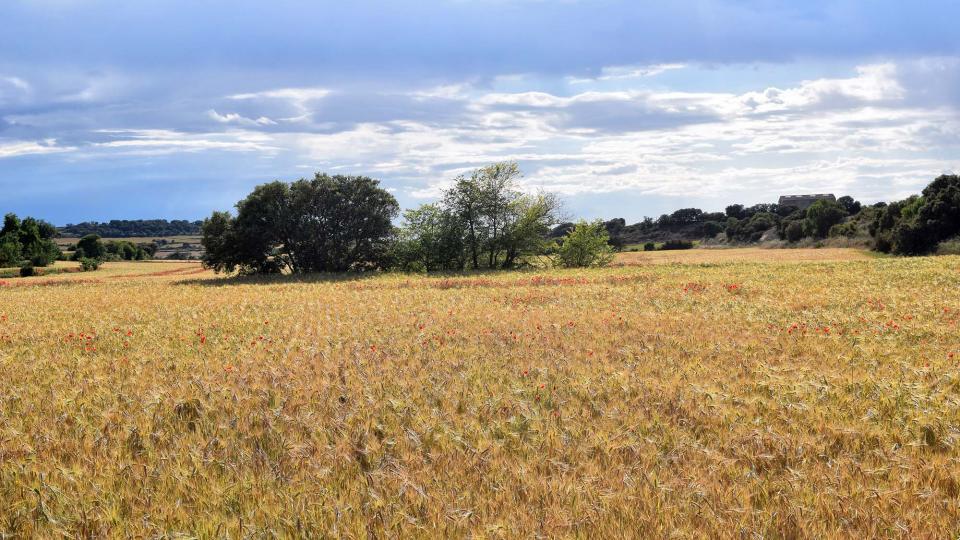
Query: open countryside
(695,392)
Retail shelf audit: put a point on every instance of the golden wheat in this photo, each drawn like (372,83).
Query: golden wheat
(725,397)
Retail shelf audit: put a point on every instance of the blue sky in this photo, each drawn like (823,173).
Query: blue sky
(134,109)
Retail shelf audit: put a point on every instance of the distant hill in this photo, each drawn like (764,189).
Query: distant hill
(137,228)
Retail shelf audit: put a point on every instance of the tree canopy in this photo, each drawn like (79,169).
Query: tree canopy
(27,241)
(325,224)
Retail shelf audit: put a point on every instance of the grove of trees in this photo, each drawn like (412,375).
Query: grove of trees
(344,223)
(326,224)
(27,242)
(125,228)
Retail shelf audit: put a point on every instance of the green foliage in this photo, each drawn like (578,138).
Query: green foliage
(88,265)
(27,240)
(27,271)
(917,225)
(126,251)
(585,246)
(326,224)
(431,238)
(793,231)
(849,204)
(483,221)
(676,244)
(712,228)
(122,228)
(91,246)
(848,229)
(752,229)
(949,247)
(821,216)
(649,246)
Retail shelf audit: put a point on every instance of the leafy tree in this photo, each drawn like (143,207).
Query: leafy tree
(712,228)
(793,231)
(10,249)
(736,211)
(91,247)
(527,224)
(849,204)
(686,215)
(917,225)
(752,229)
(326,224)
(585,246)
(431,238)
(30,239)
(822,215)
(500,224)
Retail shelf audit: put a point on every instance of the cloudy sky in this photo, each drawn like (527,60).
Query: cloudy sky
(115,109)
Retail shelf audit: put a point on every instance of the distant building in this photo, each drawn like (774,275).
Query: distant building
(804,201)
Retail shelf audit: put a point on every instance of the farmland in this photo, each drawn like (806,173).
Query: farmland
(730,393)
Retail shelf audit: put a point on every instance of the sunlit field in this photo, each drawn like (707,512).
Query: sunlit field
(718,393)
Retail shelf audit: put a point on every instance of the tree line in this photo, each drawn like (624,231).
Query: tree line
(345,223)
(484,221)
(123,228)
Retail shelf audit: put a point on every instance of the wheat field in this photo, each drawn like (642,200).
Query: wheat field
(724,394)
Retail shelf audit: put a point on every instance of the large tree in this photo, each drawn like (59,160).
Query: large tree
(28,240)
(325,224)
(483,221)
(916,226)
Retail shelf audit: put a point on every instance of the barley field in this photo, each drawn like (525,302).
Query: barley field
(717,393)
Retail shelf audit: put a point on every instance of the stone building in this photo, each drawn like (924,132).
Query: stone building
(804,201)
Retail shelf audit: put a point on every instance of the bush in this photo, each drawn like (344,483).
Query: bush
(822,215)
(586,246)
(88,265)
(949,247)
(793,232)
(43,259)
(649,246)
(27,271)
(848,230)
(676,244)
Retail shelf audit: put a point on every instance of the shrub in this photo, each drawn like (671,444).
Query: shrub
(43,259)
(586,246)
(649,246)
(848,230)
(949,247)
(676,244)
(27,271)
(822,215)
(88,265)
(793,232)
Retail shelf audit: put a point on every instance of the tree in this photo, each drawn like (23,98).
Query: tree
(822,215)
(917,225)
(526,226)
(686,215)
(91,247)
(585,246)
(736,211)
(849,204)
(431,238)
(326,224)
(27,240)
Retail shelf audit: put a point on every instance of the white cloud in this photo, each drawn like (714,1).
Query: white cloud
(24,148)
(234,118)
(627,72)
(298,95)
(159,141)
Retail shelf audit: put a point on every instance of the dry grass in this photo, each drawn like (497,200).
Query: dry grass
(723,399)
(753,255)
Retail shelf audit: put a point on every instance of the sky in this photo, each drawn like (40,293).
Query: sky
(137,109)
